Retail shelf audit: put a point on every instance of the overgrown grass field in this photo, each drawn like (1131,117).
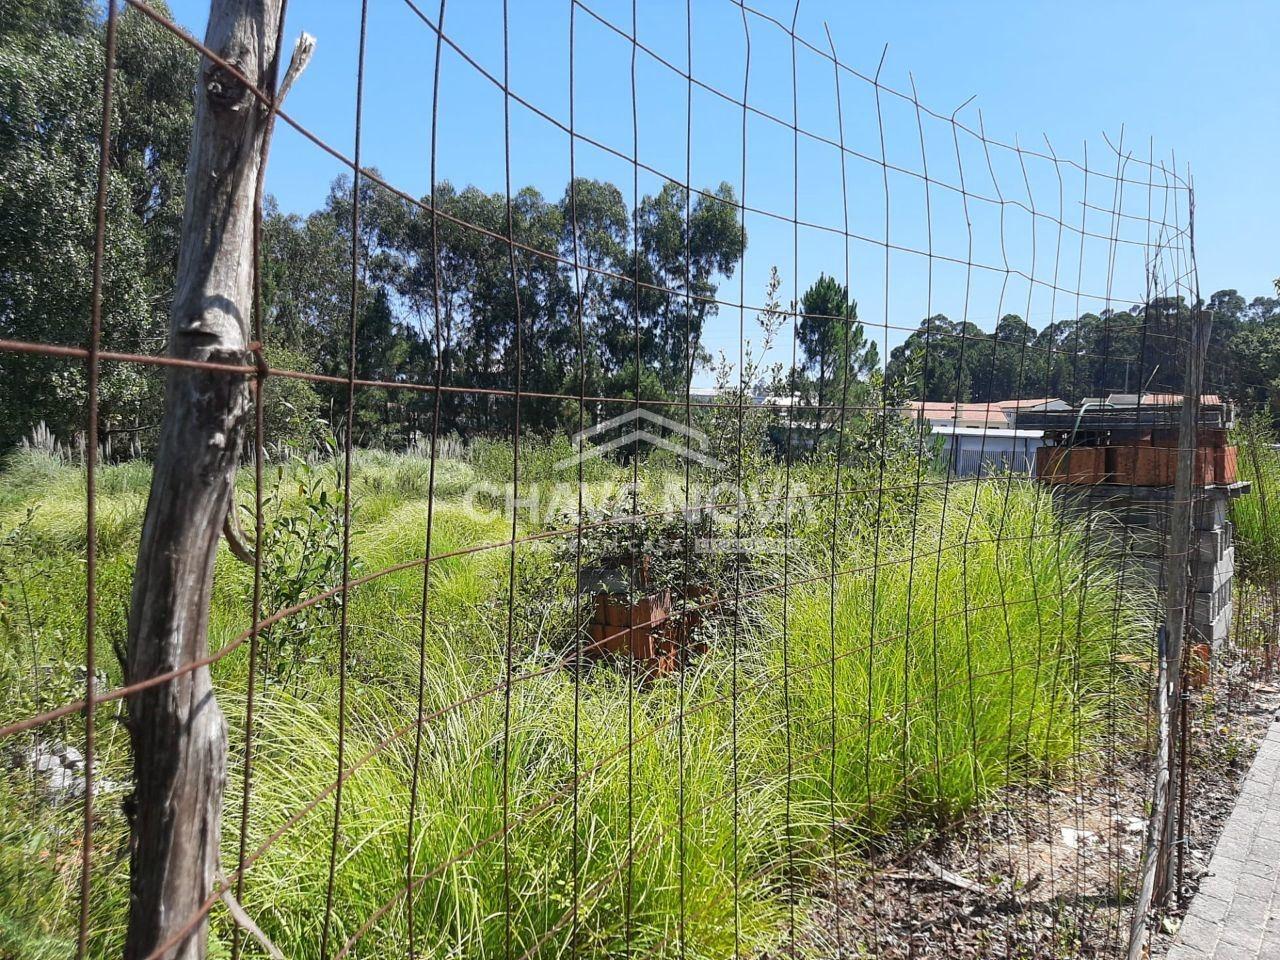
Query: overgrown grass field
(966,643)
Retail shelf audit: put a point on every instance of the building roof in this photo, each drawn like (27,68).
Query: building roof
(996,414)
(1158,399)
(1123,412)
(1045,403)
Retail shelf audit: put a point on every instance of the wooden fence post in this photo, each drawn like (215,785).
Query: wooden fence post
(1154,883)
(177,729)
(1182,529)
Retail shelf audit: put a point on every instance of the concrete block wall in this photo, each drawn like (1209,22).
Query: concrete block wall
(1133,523)
(1213,567)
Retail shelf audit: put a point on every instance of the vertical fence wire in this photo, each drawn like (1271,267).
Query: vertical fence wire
(788,457)
(842,324)
(578,626)
(738,546)
(518,333)
(691,347)
(628,900)
(438,360)
(259,457)
(91,475)
(883,415)
(348,444)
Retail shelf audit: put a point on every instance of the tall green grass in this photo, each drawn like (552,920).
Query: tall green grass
(1256,516)
(985,656)
(984,651)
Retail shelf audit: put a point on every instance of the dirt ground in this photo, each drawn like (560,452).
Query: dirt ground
(1045,873)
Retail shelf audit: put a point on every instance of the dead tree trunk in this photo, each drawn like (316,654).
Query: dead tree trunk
(178,732)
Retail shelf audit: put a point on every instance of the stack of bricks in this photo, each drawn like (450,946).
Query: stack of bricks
(1132,523)
(1115,462)
(653,631)
(1127,489)
(1148,460)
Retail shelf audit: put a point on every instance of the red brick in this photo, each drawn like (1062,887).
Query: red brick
(1075,465)
(1157,466)
(1225,465)
(1205,437)
(1143,466)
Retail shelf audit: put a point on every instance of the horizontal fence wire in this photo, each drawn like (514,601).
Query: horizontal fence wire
(843,656)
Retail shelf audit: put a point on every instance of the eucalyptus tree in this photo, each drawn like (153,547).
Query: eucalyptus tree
(51,69)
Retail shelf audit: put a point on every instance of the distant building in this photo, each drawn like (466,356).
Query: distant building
(980,439)
(1150,400)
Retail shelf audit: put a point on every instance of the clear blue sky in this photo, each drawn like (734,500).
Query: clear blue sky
(1200,80)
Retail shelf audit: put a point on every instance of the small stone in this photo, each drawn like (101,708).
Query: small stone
(43,760)
(71,757)
(62,783)
(1077,838)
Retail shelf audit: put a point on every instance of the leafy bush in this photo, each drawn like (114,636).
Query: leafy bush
(301,557)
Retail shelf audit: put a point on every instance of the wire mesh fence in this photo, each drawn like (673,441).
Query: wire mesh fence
(567,638)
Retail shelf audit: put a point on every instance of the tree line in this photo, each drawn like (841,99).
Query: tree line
(1113,351)
(605,300)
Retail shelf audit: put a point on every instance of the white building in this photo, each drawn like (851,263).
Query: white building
(979,439)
